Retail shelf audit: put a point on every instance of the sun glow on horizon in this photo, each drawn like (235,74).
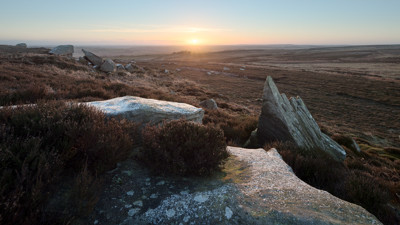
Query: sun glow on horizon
(194,41)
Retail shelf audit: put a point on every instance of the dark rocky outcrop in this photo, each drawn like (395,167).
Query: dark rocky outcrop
(92,58)
(108,66)
(284,119)
(209,104)
(66,50)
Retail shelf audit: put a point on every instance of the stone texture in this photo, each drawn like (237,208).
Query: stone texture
(255,187)
(62,50)
(151,111)
(21,45)
(130,68)
(92,58)
(108,66)
(289,120)
(209,104)
(120,67)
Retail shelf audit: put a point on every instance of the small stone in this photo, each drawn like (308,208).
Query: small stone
(201,198)
(128,206)
(170,213)
(184,192)
(130,193)
(186,219)
(96,222)
(153,196)
(161,183)
(132,212)
(228,213)
(138,203)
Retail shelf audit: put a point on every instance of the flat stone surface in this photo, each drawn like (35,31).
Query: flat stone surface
(255,187)
(144,110)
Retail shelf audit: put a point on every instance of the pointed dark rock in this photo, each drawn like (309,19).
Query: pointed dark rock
(284,119)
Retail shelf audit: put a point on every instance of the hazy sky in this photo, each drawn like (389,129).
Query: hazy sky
(202,21)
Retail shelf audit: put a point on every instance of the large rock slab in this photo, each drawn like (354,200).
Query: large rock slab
(151,111)
(92,58)
(255,187)
(282,119)
(62,50)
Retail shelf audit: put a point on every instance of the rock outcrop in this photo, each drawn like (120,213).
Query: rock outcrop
(108,66)
(282,119)
(255,187)
(92,58)
(142,110)
(209,104)
(67,50)
(130,68)
(21,45)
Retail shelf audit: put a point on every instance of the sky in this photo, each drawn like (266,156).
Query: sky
(201,22)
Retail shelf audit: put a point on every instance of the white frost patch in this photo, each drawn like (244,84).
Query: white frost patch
(228,213)
(130,193)
(186,219)
(170,213)
(201,198)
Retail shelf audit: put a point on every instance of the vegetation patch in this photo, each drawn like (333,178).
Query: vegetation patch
(183,148)
(46,144)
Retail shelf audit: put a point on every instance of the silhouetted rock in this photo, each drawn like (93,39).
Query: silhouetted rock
(256,187)
(108,66)
(289,120)
(67,50)
(21,45)
(209,104)
(142,110)
(92,58)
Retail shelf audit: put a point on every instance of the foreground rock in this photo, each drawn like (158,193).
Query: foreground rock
(108,66)
(142,110)
(255,187)
(92,58)
(209,104)
(67,50)
(289,120)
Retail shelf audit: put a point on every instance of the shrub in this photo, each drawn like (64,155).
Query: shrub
(237,129)
(183,148)
(42,143)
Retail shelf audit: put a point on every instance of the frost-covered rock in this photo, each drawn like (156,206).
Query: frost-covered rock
(92,58)
(284,119)
(256,187)
(151,111)
(67,50)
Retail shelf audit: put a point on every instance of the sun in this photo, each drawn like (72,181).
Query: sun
(194,41)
